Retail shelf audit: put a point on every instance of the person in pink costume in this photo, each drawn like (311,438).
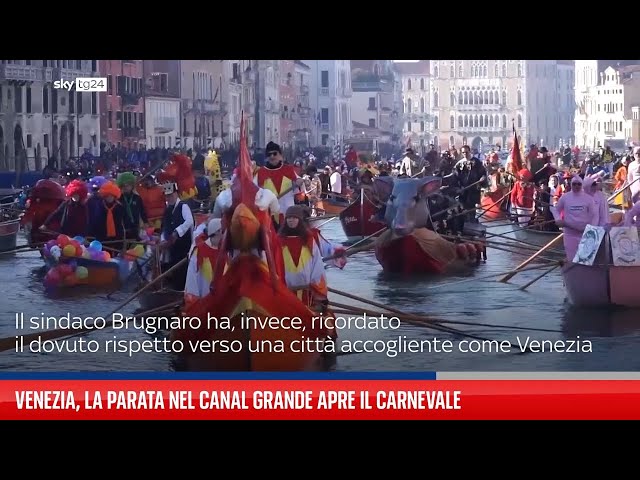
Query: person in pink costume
(578,210)
(632,217)
(592,185)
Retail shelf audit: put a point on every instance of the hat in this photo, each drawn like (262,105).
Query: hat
(110,188)
(273,147)
(98,181)
(525,175)
(170,187)
(214,226)
(543,150)
(126,178)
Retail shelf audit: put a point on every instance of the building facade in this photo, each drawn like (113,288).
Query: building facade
(416,118)
(373,111)
(303,117)
(37,120)
(202,104)
(565,100)
(588,76)
(609,108)
(162,103)
(267,103)
(122,105)
(288,98)
(238,92)
(330,100)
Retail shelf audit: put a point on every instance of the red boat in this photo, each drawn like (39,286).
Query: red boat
(492,210)
(356,219)
(424,252)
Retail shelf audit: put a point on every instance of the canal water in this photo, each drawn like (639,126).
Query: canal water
(614,334)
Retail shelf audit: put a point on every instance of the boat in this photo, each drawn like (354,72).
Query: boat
(332,205)
(489,209)
(425,252)
(356,219)
(100,274)
(9,234)
(602,284)
(10,215)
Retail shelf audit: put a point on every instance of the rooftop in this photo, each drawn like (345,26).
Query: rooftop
(415,68)
(300,63)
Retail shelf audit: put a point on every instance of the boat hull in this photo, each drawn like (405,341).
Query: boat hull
(355,220)
(9,235)
(488,200)
(331,206)
(405,255)
(101,274)
(245,360)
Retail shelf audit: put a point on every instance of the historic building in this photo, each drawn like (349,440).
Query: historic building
(330,100)
(162,103)
(38,120)
(479,102)
(416,119)
(303,124)
(122,105)
(202,85)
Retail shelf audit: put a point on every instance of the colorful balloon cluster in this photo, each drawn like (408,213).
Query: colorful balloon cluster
(69,273)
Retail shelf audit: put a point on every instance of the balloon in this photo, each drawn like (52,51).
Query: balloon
(70,280)
(45,251)
(56,251)
(106,256)
(86,254)
(150,231)
(95,245)
(139,250)
(65,270)
(130,255)
(82,273)
(69,250)
(79,239)
(62,240)
(78,252)
(51,243)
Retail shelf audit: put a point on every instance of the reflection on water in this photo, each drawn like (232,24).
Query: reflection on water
(613,333)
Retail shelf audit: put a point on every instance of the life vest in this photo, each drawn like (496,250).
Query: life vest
(153,201)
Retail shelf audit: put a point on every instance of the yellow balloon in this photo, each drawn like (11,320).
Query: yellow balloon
(69,251)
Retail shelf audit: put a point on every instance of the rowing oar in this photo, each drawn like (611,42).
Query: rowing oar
(23,248)
(524,287)
(419,320)
(8,343)
(352,248)
(442,328)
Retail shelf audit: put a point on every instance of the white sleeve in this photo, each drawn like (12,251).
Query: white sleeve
(188,220)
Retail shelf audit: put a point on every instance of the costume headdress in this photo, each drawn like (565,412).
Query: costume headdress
(77,187)
(110,188)
(126,178)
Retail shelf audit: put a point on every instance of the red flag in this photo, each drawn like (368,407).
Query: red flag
(516,157)
(243,189)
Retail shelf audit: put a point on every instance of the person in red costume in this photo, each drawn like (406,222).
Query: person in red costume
(279,178)
(351,158)
(522,197)
(44,199)
(72,216)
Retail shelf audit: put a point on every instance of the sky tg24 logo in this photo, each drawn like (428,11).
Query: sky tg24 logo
(90,84)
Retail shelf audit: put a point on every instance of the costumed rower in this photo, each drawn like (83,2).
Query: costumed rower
(592,185)
(304,268)
(327,248)
(632,217)
(578,210)
(202,261)
(108,223)
(522,197)
(281,179)
(133,206)
(72,216)
(176,234)
(153,200)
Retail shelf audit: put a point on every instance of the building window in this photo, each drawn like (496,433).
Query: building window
(452,99)
(452,122)
(495,69)
(45,140)
(324,79)
(519,69)
(435,99)
(460,120)
(94,103)
(325,139)
(408,84)
(504,121)
(109,119)
(460,71)
(519,97)
(435,123)
(408,126)
(504,97)
(422,84)
(29,141)
(504,69)
(28,98)
(372,103)
(372,122)
(422,105)
(79,103)
(45,99)
(324,115)
(422,126)
(409,109)
(110,84)
(484,71)
(435,72)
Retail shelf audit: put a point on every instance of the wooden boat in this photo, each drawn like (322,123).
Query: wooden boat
(488,203)
(101,274)
(332,205)
(424,252)
(356,219)
(603,284)
(9,234)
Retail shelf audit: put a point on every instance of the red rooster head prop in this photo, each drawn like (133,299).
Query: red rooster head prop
(178,170)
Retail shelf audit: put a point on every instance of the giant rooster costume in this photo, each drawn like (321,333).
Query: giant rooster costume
(250,287)
(179,171)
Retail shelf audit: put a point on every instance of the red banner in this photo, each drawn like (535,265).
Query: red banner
(320,399)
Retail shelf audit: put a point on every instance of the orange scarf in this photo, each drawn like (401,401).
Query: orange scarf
(111,224)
